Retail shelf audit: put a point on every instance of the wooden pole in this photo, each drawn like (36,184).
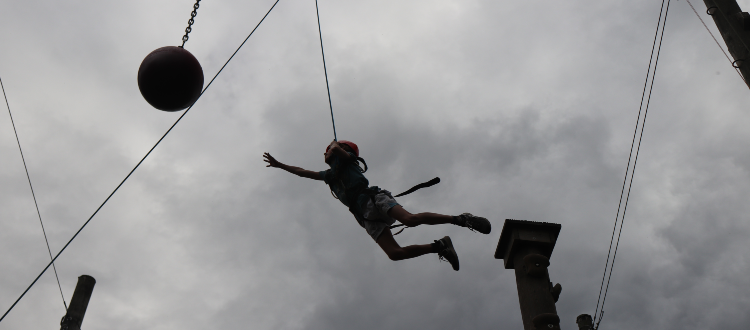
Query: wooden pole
(78,304)
(734,26)
(526,246)
(585,322)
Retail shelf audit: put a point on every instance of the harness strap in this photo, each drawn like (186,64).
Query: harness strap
(420,186)
(372,192)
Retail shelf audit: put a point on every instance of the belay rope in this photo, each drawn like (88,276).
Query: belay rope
(325,71)
(333,123)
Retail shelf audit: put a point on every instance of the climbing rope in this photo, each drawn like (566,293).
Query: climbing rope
(325,71)
(652,75)
(137,165)
(717,42)
(32,193)
(189,28)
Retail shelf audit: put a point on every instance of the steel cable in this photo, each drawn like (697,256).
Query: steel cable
(635,161)
(137,165)
(33,195)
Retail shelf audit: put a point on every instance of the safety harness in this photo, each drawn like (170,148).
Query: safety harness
(370,192)
(374,190)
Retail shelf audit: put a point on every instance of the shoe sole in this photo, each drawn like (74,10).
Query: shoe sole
(483,222)
(449,244)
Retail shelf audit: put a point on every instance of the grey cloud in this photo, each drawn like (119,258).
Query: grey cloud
(525,110)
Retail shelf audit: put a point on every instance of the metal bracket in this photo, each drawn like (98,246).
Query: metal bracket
(546,321)
(535,265)
(555,290)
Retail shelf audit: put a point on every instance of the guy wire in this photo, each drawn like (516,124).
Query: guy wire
(136,166)
(32,193)
(632,173)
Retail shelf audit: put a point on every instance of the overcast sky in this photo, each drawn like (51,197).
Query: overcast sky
(525,109)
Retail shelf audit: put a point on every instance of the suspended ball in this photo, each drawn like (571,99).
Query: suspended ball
(170,78)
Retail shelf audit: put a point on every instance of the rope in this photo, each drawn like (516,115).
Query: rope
(325,71)
(139,163)
(635,161)
(716,41)
(32,194)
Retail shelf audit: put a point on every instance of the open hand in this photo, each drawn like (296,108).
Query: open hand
(272,162)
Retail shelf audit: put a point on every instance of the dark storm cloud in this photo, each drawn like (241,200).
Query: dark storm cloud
(525,110)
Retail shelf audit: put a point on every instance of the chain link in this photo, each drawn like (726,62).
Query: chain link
(189,28)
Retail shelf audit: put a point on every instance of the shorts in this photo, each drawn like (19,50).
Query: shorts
(374,217)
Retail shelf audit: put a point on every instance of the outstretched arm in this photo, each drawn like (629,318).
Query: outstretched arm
(272,162)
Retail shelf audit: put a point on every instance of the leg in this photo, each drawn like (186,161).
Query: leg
(467,220)
(410,220)
(396,252)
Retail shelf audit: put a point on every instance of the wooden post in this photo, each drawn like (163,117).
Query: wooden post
(585,322)
(526,246)
(734,26)
(78,304)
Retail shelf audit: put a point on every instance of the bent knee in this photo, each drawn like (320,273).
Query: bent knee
(410,220)
(395,254)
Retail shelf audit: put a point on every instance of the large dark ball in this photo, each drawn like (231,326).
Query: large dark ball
(170,78)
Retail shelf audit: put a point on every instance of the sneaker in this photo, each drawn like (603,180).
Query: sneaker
(474,223)
(446,251)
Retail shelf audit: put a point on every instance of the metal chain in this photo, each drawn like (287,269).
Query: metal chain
(190,23)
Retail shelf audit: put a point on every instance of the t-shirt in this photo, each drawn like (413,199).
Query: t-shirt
(347,182)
